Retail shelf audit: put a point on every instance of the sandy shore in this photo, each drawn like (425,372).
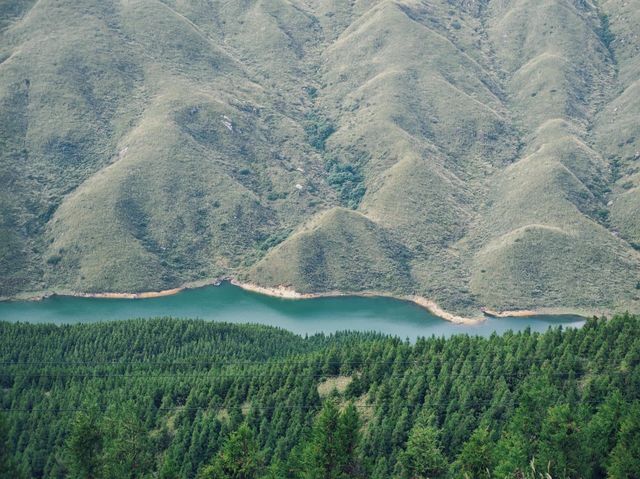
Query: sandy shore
(115,295)
(522,313)
(146,294)
(288,293)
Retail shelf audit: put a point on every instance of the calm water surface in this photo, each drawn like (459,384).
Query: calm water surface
(234,305)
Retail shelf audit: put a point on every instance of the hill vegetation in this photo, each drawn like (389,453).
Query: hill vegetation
(189,399)
(480,153)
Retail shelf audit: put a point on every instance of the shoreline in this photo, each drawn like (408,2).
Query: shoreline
(425,303)
(509,314)
(289,293)
(285,292)
(114,295)
(143,295)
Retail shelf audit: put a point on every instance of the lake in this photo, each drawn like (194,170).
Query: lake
(234,305)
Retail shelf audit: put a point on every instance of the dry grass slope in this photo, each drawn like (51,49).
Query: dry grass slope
(476,152)
(340,250)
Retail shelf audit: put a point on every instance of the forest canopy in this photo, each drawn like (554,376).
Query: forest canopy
(175,398)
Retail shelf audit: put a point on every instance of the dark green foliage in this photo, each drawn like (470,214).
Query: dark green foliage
(274,240)
(349,439)
(239,458)
(311,91)
(8,468)
(561,447)
(318,130)
(625,457)
(128,450)
(477,457)
(347,180)
(423,458)
(84,446)
(332,450)
(116,444)
(606,35)
(277,196)
(184,399)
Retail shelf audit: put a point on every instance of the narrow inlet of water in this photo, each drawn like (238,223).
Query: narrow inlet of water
(232,304)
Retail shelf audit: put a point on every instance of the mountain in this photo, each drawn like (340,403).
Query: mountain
(479,153)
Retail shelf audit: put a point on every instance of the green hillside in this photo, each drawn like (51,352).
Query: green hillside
(174,399)
(480,153)
(341,250)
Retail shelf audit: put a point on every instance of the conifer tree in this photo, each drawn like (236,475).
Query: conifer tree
(477,457)
(128,451)
(239,458)
(349,441)
(561,448)
(332,450)
(8,467)
(625,458)
(84,447)
(423,458)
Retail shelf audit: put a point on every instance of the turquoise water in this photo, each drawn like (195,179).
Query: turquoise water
(234,305)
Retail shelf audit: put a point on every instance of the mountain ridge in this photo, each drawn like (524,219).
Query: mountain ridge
(194,140)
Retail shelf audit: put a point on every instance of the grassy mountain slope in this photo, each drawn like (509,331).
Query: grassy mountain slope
(489,148)
(342,250)
(617,130)
(546,229)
